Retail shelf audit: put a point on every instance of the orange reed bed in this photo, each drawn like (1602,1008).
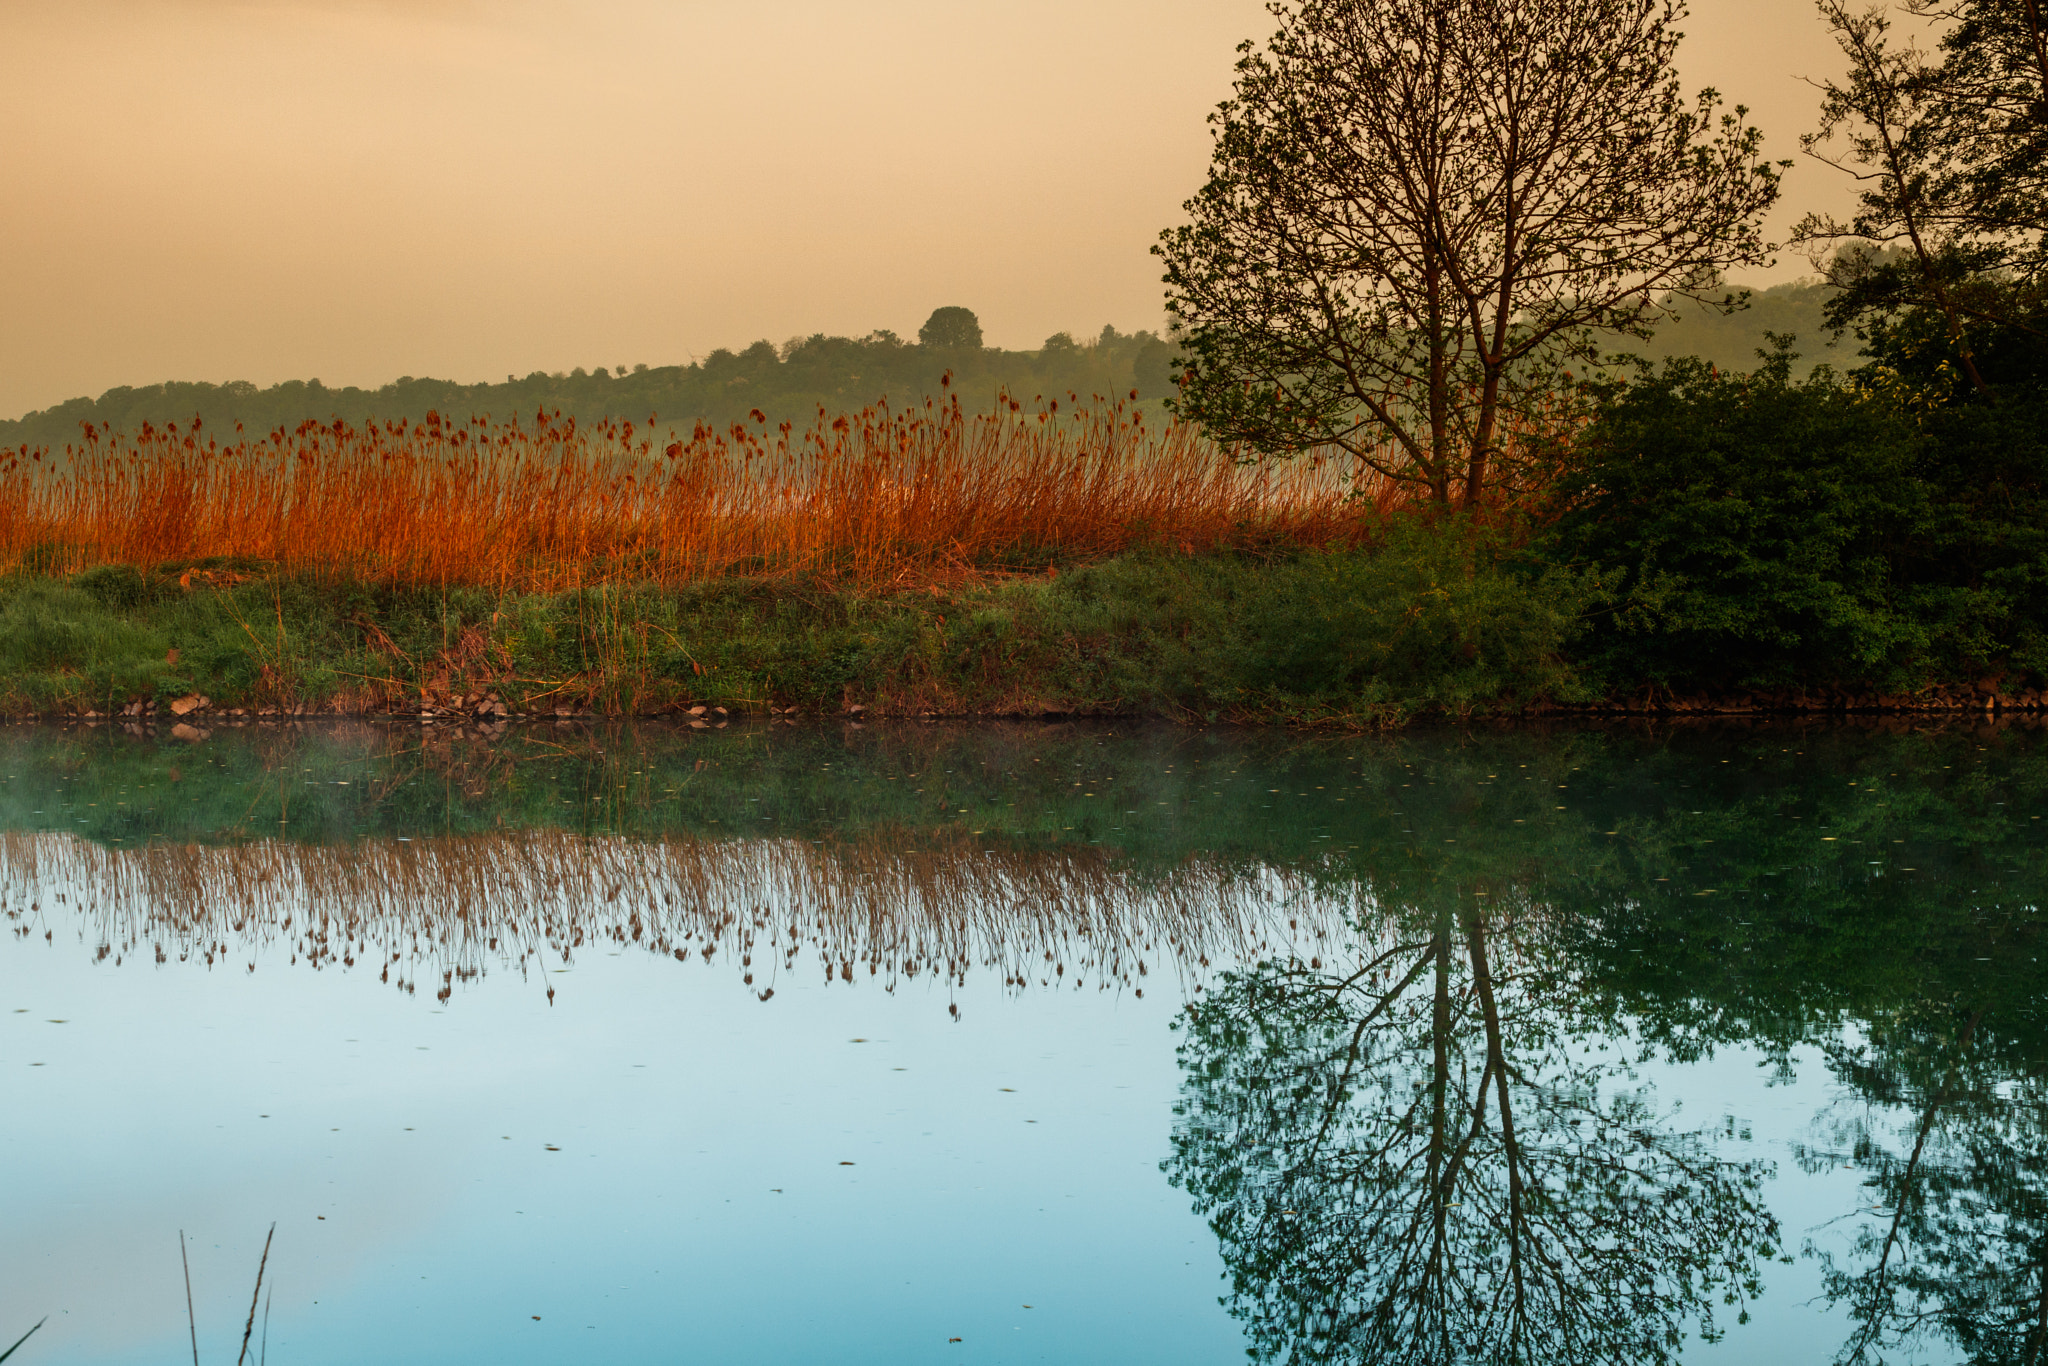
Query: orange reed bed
(874,498)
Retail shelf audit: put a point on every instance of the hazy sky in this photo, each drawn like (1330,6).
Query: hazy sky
(359,189)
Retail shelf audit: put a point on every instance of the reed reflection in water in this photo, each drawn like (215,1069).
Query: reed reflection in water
(888,907)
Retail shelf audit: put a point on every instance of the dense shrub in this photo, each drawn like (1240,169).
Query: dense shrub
(1753,531)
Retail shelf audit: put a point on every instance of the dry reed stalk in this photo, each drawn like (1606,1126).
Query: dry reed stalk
(191,1317)
(876,498)
(249,1328)
(904,905)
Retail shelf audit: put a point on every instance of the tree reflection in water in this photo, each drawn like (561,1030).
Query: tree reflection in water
(1952,1141)
(1433,1158)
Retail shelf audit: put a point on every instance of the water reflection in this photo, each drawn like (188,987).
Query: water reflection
(1439,1156)
(1445,991)
(879,857)
(1952,1146)
(444,910)
(1445,1150)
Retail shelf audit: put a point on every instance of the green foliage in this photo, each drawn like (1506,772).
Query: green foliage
(1754,531)
(108,637)
(1913,356)
(51,630)
(1426,621)
(122,585)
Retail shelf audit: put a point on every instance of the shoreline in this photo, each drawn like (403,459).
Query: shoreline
(1405,633)
(1949,705)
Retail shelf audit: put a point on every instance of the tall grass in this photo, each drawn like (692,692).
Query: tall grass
(875,498)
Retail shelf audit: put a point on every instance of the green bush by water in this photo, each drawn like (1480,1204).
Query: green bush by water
(1756,531)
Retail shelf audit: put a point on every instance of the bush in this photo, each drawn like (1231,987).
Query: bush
(121,585)
(1750,531)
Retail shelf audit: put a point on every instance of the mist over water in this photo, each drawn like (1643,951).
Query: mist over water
(794,1042)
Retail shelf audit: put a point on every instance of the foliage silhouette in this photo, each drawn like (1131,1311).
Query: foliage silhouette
(1947,151)
(1417,214)
(789,382)
(952,327)
(1424,1160)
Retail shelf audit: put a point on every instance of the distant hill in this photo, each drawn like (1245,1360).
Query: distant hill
(787,383)
(1732,340)
(792,381)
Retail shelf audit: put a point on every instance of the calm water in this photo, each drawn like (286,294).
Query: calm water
(1025,1043)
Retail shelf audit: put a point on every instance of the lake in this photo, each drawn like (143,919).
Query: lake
(1024,1042)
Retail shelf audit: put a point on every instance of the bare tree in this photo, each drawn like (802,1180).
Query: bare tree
(1418,214)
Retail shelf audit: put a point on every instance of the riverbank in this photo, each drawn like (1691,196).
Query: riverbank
(1704,543)
(1419,625)
(1350,639)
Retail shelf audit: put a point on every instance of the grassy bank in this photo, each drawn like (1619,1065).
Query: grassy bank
(1360,637)
(1426,622)
(1707,541)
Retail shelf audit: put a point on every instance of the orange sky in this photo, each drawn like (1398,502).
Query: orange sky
(359,189)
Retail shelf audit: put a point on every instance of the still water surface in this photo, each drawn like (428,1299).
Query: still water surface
(1025,1043)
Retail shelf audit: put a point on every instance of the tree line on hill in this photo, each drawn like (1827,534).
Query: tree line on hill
(792,381)
(789,383)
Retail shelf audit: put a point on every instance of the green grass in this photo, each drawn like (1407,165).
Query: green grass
(1427,622)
